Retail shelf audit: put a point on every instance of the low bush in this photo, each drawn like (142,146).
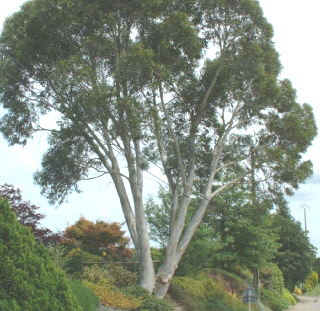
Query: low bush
(188,292)
(114,274)
(74,259)
(155,304)
(136,290)
(111,296)
(288,296)
(86,297)
(234,283)
(121,277)
(312,279)
(204,293)
(309,285)
(95,274)
(297,290)
(304,288)
(273,300)
(214,304)
(310,282)
(149,303)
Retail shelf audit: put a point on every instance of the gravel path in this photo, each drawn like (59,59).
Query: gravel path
(306,304)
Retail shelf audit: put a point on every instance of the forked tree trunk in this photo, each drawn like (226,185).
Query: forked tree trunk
(163,278)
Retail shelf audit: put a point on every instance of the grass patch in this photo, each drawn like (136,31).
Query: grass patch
(314,292)
(86,297)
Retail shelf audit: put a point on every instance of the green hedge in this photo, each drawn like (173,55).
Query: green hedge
(86,297)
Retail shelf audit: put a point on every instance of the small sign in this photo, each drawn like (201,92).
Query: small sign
(104,254)
(249,295)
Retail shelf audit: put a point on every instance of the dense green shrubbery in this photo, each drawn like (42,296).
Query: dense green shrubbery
(274,294)
(74,258)
(188,292)
(204,293)
(304,288)
(86,297)
(115,274)
(29,279)
(312,280)
(149,303)
(118,287)
(214,304)
(121,277)
(274,300)
(272,278)
(233,282)
(288,296)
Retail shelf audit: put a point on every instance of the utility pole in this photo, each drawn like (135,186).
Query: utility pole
(305,206)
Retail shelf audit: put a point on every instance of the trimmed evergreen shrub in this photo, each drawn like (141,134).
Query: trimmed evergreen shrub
(288,296)
(29,279)
(214,304)
(272,278)
(149,303)
(86,297)
(188,292)
(274,300)
(204,293)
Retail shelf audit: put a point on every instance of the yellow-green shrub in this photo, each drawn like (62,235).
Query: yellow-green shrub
(297,290)
(114,274)
(109,296)
(288,296)
(204,293)
(309,285)
(312,278)
(121,277)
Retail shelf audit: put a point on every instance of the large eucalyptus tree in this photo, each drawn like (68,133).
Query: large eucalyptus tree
(179,84)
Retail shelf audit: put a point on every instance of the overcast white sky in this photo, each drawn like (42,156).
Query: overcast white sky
(296,27)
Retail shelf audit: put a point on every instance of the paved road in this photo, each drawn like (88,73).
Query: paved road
(306,304)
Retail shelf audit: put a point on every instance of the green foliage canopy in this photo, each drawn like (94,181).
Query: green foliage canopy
(296,254)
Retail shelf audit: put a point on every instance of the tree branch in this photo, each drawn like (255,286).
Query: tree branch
(173,135)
